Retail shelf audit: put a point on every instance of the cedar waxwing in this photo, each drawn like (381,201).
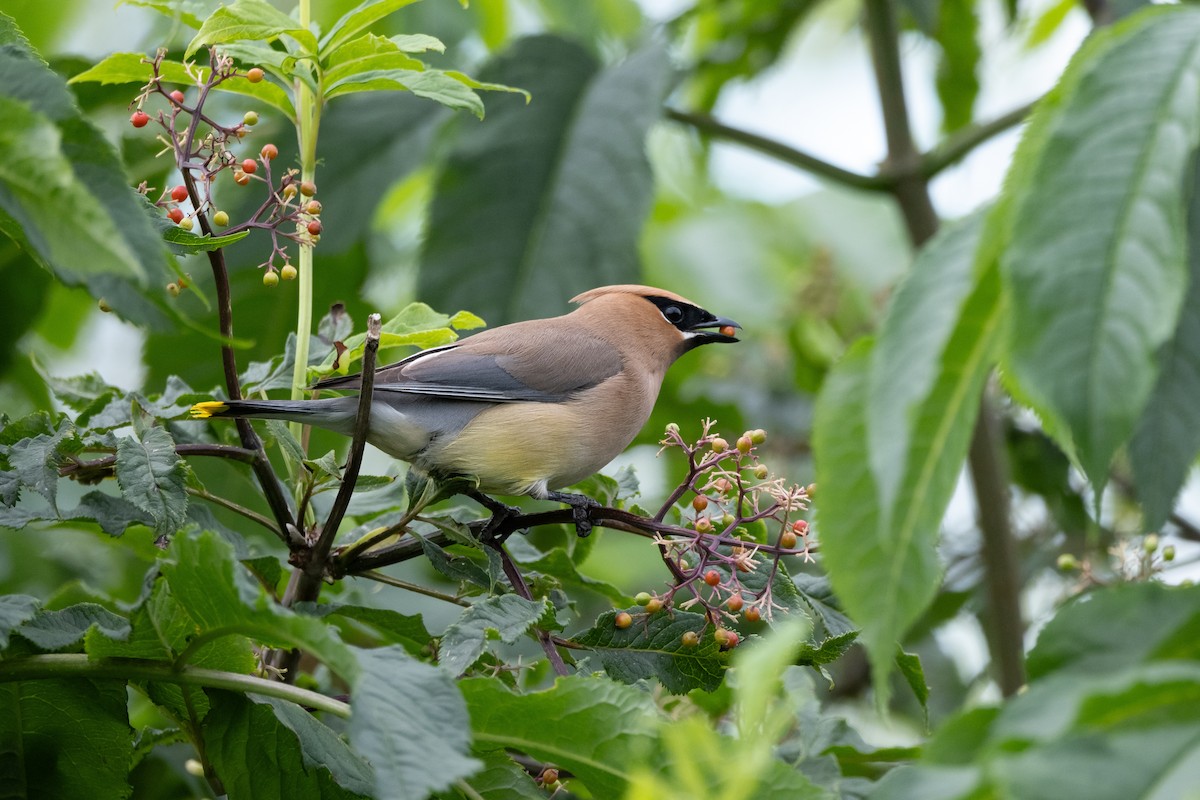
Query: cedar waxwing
(524,408)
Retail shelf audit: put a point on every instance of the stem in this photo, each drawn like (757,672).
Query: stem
(797,158)
(66,665)
(988,471)
(253,516)
(413,587)
(308,117)
(518,582)
(959,145)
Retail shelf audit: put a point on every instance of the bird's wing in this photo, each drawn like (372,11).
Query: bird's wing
(542,364)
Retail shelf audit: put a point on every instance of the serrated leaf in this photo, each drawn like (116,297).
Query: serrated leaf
(832,631)
(405,710)
(36,460)
(357,20)
(558,564)
(909,666)
(392,627)
(186,243)
(220,595)
(1128,101)
(132,68)
(957,81)
(49,728)
(652,647)
(65,628)
(572,174)
(269,749)
(250,19)
(507,616)
(888,464)
(151,476)
(15,609)
(1167,436)
(501,778)
(599,727)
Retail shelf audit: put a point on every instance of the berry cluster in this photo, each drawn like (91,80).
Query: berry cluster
(203,149)
(715,550)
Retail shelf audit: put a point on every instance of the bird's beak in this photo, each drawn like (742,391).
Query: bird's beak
(702,334)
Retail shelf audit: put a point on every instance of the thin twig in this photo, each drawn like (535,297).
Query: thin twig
(107,463)
(710,126)
(253,516)
(958,146)
(380,577)
(518,582)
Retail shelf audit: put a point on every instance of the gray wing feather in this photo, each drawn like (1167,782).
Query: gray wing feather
(547,363)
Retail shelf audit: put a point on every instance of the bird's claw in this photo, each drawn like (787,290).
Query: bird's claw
(581,510)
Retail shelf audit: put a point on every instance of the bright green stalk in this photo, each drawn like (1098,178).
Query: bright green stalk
(308,118)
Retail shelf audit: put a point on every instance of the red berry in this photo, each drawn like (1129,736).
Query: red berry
(699,502)
(240,178)
(734,603)
(753,614)
(712,577)
(177,96)
(623,620)
(800,526)
(787,540)
(139,119)
(269,151)
(254,75)
(314,227)
(726,330)
(179,194)
(731,640)
(175,214)
(549,776)
(249,166)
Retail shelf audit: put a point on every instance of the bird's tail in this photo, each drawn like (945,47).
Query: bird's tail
(333,413)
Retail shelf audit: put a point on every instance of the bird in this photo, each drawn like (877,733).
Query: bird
(527,408)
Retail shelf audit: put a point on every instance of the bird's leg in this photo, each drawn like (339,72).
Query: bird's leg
(581,509)
(501,513)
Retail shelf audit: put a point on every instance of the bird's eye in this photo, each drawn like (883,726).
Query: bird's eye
(673,314)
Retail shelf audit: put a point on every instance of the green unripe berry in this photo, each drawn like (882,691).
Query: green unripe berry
(1067,563)
(270,278)
(758,436)
(672,427)
(186,223)
(220,219)
(288,272)
(690,639)
(642,598)
(719,445)
(744,444)
(761,472)
(654,606)
(1150,543)
(1168,553)
(173,289)
(250,118)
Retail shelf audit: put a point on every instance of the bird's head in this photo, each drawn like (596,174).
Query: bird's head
(665,321)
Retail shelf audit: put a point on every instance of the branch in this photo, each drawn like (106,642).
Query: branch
(69,665)
(102,467)
(253,516)
(958,146)
(518,582)
(988,471)
(711,127)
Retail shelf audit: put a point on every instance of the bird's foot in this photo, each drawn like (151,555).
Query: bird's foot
(581,510)
(501,513)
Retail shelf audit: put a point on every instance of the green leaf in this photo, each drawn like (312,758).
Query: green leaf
(562,185)
(152,478)
(121,68)
(222,597)
(269,749)
(172,9)
(597,731)
(250,19)
(501,779)
(558,564)
(392,627)
(1127,101)
(36,460)
(63,194)
(832,631)
(404,711)
(15,609)
(506,617)
(891,430)
(367,53)
(417,325)
(66,628)
(1167,436)
(357,20)
(957,81)
(1106,631)
(451,89)
(652,647)
(66,739)
(913,673)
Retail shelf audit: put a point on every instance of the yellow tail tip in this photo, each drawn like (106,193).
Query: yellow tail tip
(207,409)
